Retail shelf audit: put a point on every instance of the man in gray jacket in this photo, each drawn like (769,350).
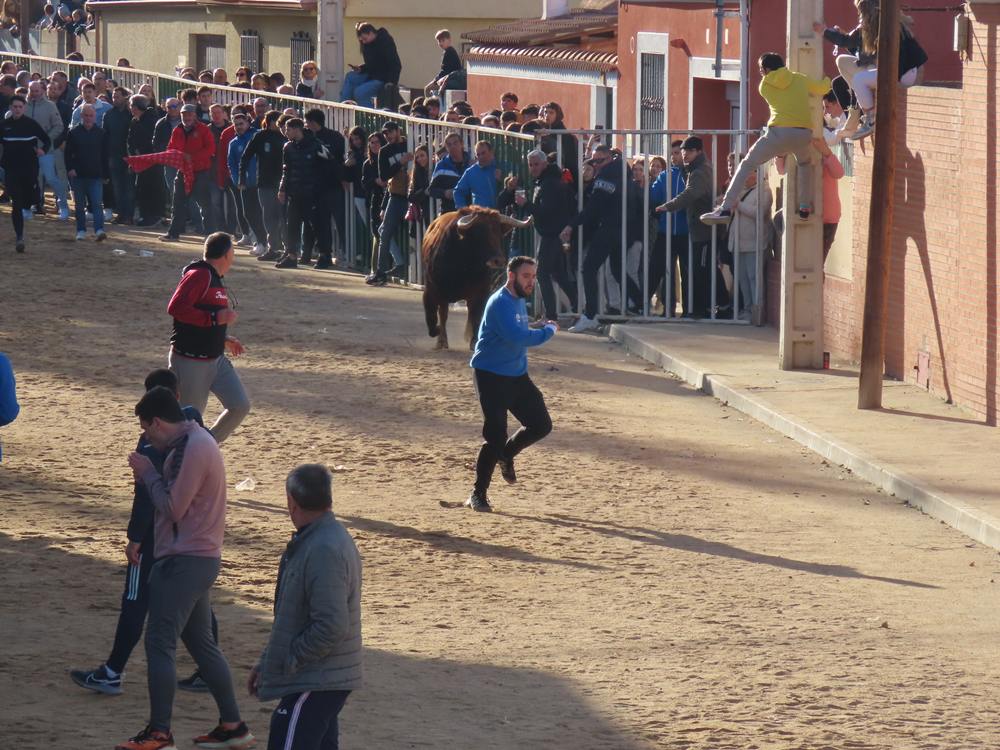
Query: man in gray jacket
(313,658)
(46,114)
(696,195)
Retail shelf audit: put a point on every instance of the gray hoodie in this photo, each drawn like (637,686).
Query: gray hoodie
(315,641)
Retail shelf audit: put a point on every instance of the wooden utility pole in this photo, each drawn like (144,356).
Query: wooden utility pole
(880,214)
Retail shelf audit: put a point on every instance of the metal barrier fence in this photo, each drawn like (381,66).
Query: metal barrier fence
(725,293)
(510,150)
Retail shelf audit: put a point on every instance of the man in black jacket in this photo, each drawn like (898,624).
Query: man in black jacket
(87,168)
(148,184)
(23,142)
(267,145)
(392,171)
(601,220)
(303,165)
(116,125)
(381,66)
(330,199)
(550,202)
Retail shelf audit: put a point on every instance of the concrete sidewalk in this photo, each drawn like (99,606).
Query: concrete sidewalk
(935,456)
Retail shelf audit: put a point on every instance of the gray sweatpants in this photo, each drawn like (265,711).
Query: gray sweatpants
(775,142)
(179,605)
(196,378)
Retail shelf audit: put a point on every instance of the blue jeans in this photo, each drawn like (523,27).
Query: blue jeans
(360,88)
(123,184)
(388,247)
(47,167)
(88,190)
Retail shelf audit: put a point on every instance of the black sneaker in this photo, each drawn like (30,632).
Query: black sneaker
(324,262)
(19,246)
(478,502)
(398,272)
(507,470)
(225,738)
(269,256)
(194,684)
(288,261)
(169,237)
(98,680)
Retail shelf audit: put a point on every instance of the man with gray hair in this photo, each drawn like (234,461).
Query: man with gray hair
(550,202)
(46,114)
(87,168)
(312,661)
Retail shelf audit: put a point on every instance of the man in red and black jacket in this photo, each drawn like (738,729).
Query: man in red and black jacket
(195,140)
(200,341)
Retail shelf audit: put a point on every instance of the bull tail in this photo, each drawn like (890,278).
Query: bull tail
(431,314)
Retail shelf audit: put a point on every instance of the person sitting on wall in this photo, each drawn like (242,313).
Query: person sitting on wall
(381,66)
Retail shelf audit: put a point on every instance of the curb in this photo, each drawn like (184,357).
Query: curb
(974,523)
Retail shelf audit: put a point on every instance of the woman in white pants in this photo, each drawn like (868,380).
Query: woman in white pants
(859,67)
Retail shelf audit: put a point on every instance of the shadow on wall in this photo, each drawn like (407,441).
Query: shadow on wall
(909,224)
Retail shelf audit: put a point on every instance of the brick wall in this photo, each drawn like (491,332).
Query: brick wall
(943,279)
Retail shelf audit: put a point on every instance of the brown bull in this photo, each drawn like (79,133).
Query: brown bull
(463,253)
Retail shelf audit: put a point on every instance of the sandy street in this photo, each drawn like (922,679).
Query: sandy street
(667,574)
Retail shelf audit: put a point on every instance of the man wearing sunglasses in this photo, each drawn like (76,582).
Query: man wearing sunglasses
(200,307)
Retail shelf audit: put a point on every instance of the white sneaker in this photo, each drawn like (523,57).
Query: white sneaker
(109,215)
(27,214)
(100,236)
(257,249)
(244,241)
(81,235)
(584,324)
(64,213)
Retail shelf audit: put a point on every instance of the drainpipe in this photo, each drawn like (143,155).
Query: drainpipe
(744,73)
(720,17)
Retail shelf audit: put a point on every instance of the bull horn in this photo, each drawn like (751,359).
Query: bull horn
(516,223)
(466,221)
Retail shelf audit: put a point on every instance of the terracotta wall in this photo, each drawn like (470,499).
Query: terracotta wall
(484,94)
(943,283)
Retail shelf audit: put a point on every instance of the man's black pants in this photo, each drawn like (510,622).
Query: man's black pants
(303,210)
(605,244)
(21,188)
(202,195)
(307,721)
(552,267)
(499,394)
(329,202)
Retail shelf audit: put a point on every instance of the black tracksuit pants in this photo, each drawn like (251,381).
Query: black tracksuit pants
(302,210)
(135,606)
(21,188)
(499,394)
(606,243)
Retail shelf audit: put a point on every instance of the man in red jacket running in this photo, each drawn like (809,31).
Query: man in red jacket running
(200,341)
(196,142)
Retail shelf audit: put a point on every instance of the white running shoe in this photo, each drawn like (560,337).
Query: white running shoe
(100,236)
(584,324)
(257,250)
(81,235)
(109,215)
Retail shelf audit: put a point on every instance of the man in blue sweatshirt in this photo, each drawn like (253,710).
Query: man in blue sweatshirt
(9,407)
(478,186)
(500,363)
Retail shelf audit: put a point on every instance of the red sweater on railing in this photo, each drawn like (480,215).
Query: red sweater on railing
(198,143)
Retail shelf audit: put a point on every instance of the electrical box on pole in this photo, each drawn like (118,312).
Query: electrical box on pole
(330,55)
(801,342)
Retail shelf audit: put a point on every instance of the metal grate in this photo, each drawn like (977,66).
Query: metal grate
(250,56)
(302,49)
(652,110)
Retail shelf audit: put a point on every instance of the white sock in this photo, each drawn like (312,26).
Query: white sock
(111,673)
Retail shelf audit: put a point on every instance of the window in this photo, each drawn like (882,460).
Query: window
(652,112)
(302,49)
(250,56)
(210,51)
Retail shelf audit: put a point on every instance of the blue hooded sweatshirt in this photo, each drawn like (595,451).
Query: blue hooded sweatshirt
(236,148)
(477,187)
(658,196)
(504,336)
(9,407)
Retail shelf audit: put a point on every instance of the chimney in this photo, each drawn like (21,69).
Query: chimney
(554,8)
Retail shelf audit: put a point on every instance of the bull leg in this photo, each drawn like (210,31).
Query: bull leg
(442,312)
(431,312)
(476,307)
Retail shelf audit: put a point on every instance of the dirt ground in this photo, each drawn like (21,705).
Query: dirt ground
(667,574)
